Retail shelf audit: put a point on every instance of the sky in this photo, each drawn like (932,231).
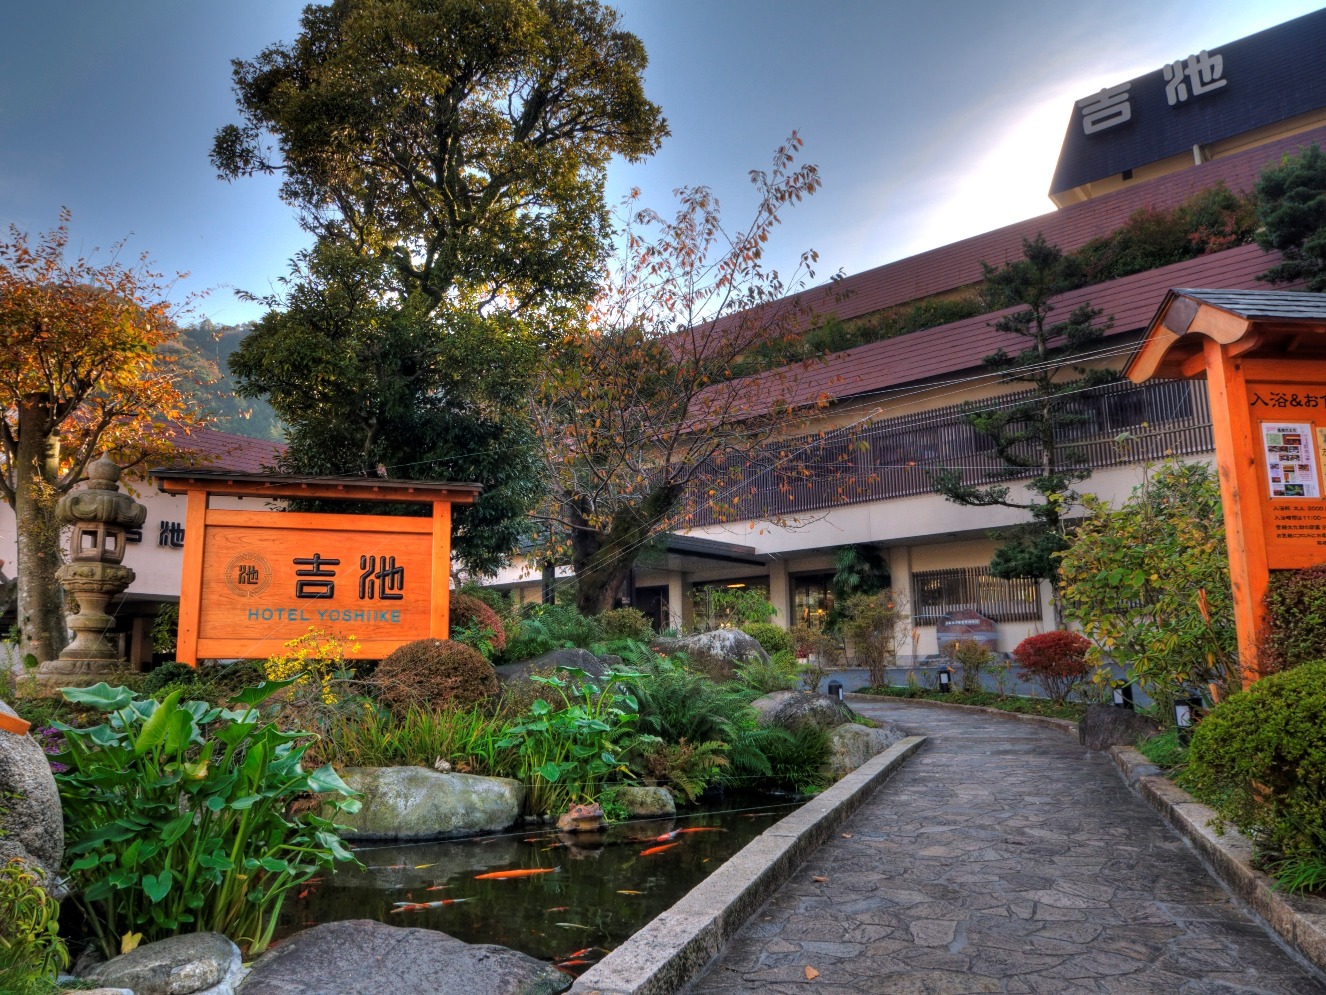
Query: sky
(929,122)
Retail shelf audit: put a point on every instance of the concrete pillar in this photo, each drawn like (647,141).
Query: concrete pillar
(780,593)
(679,601)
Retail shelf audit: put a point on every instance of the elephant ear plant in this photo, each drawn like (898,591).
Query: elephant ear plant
(177,816)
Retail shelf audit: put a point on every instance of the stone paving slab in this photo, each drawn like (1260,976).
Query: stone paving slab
(1003,858)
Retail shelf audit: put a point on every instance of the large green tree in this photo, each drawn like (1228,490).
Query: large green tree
(465,141)
(372,384)
(1291,205)
(450,157)
(1028,435)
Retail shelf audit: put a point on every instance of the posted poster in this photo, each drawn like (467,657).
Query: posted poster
(1291,460)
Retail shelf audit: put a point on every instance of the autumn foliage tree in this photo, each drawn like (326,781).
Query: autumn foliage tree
(81,372)
(646,397)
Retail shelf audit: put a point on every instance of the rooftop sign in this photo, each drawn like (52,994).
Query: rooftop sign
(1196,99)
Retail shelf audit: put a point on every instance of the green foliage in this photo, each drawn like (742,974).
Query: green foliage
(1149,582)
(858,569)
(716,606)
(418,737)
(476,624)
(30,944)
(1027,436)
(799,758)
(1295,629)
(172,674)
(773,638)
(567,751)
(1166,750)
(367,378)
(822,652)
(984,699)
(204,352)
(877,624)
(435,672)
(176,816)
(972,657)
(543,628)
(1291,206)
(1259,757)
(781,673)
(165,628)
(626,623)
(685,769)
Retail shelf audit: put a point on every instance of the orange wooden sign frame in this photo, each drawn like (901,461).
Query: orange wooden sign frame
(1265,372)
(254,580)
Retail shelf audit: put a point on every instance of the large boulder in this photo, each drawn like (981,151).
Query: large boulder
(31,823)
(189,964)
(854,744)
(414,803)
(1104,726)
(548,662)
(644,802)
(718,652)
(794,709)
(360,957)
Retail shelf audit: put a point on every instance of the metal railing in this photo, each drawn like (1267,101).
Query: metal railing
(936,593)
(1121,423)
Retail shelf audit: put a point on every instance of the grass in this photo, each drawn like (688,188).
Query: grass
(1072,710)
(1165,751)
(466,738)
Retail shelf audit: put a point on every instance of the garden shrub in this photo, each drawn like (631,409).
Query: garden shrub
(774,638)
(1259,757)
(1295,618)
(719,607)
(433,673)
(1057,661)
(180,674)
(821,651)
(972,657)
(626,623)
(30,946)
(543,628)
(476,624)
(876,624)
(177,816)
(779,674)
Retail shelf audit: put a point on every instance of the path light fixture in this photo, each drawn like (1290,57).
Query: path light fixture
(945,677)
(1185,716)
(835,690)
(1123,694)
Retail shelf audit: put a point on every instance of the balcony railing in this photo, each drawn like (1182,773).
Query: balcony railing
(1120,423)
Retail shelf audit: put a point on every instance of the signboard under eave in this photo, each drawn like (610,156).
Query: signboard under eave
(254,580)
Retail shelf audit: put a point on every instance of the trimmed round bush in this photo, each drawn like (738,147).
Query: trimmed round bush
(626,623)
(435,672)
(1260,758)
(1056,660)
(466,611)
(166,674)
(774,638)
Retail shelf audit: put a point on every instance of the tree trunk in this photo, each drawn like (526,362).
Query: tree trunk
(40,601)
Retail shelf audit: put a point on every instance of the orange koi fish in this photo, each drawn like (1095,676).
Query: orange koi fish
(436,887)
(627,891)
(417,906)
(668,836)
(559,908)
(522,872)
(580,953)
(702,829)
(579,962)
(657,849)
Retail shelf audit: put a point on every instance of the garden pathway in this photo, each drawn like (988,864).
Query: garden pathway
(1003,857)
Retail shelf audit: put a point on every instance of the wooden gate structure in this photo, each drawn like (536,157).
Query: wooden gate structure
(1263,355)
(253,580)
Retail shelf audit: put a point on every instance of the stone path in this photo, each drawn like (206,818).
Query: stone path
(1003,857)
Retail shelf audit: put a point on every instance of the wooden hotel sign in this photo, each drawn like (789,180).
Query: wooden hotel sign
(1263,355)
(253,580)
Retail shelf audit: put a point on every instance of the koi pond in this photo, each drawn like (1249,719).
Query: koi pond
(568,898)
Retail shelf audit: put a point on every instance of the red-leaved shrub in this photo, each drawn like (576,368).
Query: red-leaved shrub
(466,611)
(1057,661)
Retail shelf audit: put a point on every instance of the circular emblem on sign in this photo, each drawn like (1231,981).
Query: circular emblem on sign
(248,575)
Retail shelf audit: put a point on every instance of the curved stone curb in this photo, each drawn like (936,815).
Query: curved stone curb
(1063,725)
(675,947)
(1300,920)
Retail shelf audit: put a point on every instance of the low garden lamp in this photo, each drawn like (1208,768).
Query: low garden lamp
(945,676)
(1185,715)
(1123,694)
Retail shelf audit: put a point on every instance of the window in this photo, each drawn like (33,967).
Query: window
(935,593)
(812,599)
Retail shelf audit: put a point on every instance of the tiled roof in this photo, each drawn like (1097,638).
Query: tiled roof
(228,451)
(949,349)
(1287,305)
(959,263)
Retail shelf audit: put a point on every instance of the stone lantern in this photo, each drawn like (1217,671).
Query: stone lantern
(100,516)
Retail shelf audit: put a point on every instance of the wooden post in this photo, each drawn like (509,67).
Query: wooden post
(191,577)
(439,620)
